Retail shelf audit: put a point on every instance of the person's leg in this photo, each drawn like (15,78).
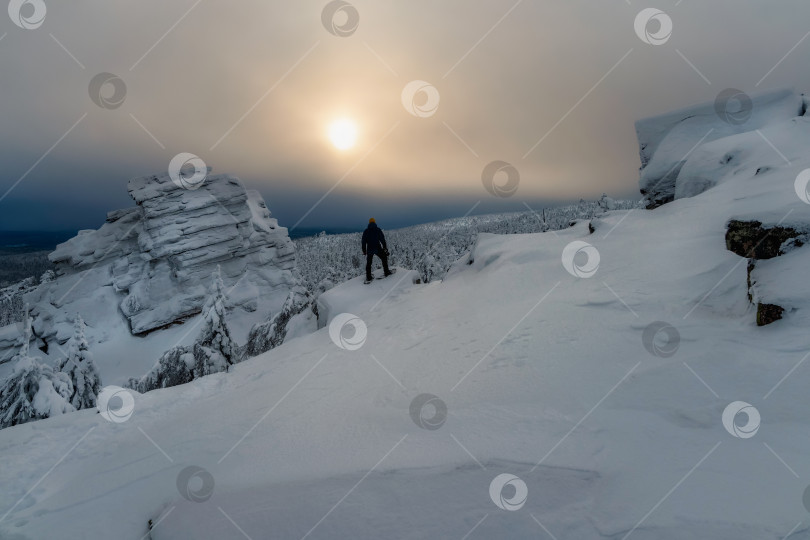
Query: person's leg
(385,264)
(369,257)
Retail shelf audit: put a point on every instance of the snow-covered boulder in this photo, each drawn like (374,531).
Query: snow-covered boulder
(160,254)
(667,141)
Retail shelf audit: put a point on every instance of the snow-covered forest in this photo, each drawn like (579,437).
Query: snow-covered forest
(11,296)
(15,267)
(20,272)
(21,269)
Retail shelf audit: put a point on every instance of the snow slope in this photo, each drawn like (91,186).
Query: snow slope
(546,376)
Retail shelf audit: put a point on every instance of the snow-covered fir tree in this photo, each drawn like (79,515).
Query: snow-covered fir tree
(606,203)
(33,391)
(271,334)
(48,276)
(215,338)
(213,351)
(12,305)
(429,268)
(79,367)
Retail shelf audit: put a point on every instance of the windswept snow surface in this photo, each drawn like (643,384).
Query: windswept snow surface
(545,376)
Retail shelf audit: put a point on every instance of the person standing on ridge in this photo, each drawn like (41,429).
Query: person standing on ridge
(374,244)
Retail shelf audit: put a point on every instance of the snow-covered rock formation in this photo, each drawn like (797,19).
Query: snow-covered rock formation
(758,143)
(162,252)
(148,268)
(673,147)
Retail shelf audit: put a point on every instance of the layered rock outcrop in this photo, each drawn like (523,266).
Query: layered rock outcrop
(161,253)
(147,269)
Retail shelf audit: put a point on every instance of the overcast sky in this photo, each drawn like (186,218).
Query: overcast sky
(552,87)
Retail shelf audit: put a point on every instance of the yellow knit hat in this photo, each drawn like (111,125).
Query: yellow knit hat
(371,220)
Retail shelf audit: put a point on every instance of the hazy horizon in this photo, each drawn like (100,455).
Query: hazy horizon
(384,219)
(253,92)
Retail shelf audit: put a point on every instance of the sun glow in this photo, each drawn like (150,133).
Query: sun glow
(343,134)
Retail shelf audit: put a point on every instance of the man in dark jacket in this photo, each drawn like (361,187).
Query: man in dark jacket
(374,244)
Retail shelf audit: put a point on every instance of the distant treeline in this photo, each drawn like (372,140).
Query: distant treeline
(15,267)
(14,242)
(23,261)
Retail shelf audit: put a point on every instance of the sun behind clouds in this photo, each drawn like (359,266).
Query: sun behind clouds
(343,133)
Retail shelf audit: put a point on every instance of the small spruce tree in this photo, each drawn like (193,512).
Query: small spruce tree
(79,367)
(213,351)
(33,391)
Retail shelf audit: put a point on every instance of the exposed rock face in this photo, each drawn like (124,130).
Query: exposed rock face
(768,313)
(778,286)
(769,280)
(752,239)
(668,142)
(161,253)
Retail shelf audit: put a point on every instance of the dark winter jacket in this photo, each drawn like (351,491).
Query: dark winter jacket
(373,240)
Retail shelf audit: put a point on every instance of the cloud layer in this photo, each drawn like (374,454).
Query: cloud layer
(551,87)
